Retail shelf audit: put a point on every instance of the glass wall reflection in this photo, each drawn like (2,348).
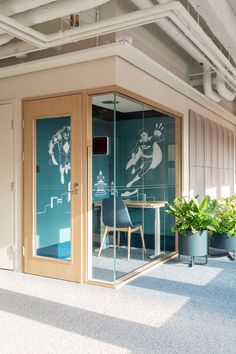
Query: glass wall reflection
(133,174)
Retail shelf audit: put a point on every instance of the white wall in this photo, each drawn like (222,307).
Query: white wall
(96,73)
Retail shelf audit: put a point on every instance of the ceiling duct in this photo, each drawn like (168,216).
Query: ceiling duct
(222,89)
(52,11)
(207,84)
(179,37)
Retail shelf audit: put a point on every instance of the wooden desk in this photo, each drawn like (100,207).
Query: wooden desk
(146,205)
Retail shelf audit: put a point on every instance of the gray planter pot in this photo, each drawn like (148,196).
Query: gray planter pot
(223,242)
(194,245)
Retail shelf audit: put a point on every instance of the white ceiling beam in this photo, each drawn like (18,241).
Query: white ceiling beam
(11,7)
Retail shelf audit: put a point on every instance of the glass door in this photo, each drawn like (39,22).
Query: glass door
(53,187)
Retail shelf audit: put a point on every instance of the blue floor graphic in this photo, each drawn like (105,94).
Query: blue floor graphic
(59,251)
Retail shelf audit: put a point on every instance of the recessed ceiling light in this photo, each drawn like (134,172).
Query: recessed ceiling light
(110,102)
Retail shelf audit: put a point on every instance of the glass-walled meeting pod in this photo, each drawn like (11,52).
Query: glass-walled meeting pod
(98,169)
(133,169)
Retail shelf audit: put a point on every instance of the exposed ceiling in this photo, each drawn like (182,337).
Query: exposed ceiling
(220,16)
(233,5)
(207,34)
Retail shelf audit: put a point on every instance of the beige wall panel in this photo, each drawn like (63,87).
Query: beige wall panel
(214,145)
(214,183)
(226,149)
(7,178)
(231,173)
(231,150)
(208,143)
(226,185)
(193,139)
(193,181)
(220,144)
(200,142)
(208,180)
(201,182)
(216,142)
(221,183)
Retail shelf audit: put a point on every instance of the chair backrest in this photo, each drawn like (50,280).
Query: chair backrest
(122,213)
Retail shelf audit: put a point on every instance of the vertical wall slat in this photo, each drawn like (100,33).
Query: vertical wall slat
(211,157)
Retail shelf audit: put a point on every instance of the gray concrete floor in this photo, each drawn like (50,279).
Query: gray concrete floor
(170,309)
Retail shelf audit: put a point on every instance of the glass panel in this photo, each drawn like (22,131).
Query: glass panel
(140,174)
(103,185)
(53,202)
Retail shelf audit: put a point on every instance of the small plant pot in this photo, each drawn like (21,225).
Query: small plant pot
(224,242)
(194,245)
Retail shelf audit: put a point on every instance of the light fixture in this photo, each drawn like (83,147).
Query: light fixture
(110,102)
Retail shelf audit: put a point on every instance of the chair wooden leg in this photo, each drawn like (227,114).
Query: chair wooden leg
(129,237)
(142,238)
(103,239)
(118,240)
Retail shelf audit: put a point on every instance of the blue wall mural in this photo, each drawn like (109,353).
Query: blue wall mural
(145,166)
(53,180)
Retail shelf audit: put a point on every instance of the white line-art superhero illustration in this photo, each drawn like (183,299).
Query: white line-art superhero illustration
(61,142)
(146,156)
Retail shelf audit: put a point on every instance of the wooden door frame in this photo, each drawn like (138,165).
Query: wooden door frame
(53,107)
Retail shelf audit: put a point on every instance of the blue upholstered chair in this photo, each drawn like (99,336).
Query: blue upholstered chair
(122,222)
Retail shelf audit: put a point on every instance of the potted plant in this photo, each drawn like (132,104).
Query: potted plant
(225,235)
(194,221)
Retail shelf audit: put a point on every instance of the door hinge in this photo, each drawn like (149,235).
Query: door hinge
(13,248)
(23,156)
(23,123)
(12,186)
(12,124)
(23,251)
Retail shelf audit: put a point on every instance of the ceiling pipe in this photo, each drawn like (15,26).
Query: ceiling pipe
(168,27)
(55,10)
(203,47)
(107,26)
(184,17)
(207,84)
(51,12)
(118,23)
(12,7)
(223,90)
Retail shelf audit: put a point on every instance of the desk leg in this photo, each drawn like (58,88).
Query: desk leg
(157,236)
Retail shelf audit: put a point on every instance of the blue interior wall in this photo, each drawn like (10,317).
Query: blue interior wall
(157,184)
(53,208)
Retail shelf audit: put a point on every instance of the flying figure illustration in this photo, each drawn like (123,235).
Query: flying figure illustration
(61,142)
(146,156)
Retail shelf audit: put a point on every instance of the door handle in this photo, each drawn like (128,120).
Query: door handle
(75,190)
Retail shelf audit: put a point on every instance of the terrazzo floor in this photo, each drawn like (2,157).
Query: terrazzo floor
(170,309)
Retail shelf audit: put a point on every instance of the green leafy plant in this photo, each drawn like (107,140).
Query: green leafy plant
(192,216)
(225,216)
